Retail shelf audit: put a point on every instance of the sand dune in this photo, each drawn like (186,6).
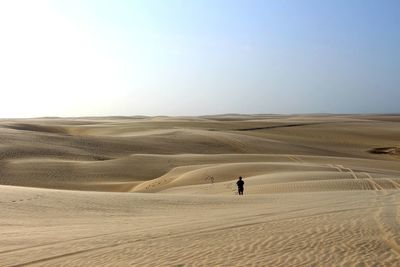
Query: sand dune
(320,190)
(87,228)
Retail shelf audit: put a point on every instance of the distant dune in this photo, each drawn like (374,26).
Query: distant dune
(320,190)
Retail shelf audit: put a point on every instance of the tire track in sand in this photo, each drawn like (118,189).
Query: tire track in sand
(387,214)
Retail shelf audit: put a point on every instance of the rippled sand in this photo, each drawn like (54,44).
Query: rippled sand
(316,191)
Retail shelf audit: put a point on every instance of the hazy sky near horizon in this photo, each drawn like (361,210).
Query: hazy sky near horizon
(81,58)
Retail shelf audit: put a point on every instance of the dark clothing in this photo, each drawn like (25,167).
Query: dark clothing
(240,185)
(240,190)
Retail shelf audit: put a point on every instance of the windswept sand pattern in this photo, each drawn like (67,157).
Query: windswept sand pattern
(275,231)
(315,194)
(386,219)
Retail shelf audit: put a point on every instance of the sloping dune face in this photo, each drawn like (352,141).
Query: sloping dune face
(320,190)
(130,154)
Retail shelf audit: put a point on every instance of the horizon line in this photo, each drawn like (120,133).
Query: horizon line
(204,115)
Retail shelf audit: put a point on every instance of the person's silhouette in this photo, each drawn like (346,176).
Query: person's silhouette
(240,185)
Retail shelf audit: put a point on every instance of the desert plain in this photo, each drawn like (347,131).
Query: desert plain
(320,190)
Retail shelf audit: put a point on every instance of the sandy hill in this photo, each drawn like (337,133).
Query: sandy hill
(320,190)
(116,154)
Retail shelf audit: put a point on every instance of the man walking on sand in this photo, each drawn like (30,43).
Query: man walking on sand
(240,185)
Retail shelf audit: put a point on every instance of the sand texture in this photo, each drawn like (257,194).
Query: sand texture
(320,190)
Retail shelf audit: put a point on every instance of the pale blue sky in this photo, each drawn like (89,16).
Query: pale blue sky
(79,58)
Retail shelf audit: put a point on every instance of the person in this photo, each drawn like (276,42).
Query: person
(240,185)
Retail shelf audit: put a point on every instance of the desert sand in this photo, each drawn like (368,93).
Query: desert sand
(320,190)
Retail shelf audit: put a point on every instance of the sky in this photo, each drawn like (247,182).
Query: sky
(187,57)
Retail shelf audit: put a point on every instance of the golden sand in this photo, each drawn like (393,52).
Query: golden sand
(160,191)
